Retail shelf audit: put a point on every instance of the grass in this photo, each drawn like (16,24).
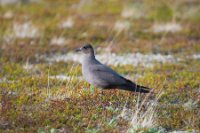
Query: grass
(32,101)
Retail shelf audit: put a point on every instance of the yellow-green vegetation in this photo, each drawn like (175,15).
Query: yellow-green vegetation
(32,99)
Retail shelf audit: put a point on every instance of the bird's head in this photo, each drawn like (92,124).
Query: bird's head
(86,50)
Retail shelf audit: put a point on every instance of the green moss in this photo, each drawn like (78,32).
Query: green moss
(161,11)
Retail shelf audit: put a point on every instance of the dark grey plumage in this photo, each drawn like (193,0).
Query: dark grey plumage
(102,76)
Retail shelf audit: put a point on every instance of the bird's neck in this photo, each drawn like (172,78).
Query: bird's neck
(87,59)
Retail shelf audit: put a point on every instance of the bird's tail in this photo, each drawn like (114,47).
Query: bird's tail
(130,86)
(142,89)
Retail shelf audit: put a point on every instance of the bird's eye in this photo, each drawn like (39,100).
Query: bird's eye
(85,47)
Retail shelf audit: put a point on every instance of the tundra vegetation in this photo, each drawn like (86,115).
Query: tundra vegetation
(41,89)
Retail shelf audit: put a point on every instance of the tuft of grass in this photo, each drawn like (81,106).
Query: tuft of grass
(145,113)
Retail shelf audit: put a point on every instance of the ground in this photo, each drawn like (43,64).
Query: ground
(153,43)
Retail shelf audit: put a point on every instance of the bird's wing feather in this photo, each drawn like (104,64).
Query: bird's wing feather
(111,79)
(108,75)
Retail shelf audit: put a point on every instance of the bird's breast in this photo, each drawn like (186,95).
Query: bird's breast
(87,74)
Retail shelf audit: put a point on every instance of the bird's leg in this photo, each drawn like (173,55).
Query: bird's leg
(102,92)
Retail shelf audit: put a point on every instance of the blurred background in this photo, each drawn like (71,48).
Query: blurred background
(30,28)
(155,43)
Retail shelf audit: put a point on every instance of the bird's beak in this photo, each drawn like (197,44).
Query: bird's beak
(78,50)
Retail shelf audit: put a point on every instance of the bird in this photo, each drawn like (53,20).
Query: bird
(101,76)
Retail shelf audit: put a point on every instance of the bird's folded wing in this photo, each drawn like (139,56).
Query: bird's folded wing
(107,74)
